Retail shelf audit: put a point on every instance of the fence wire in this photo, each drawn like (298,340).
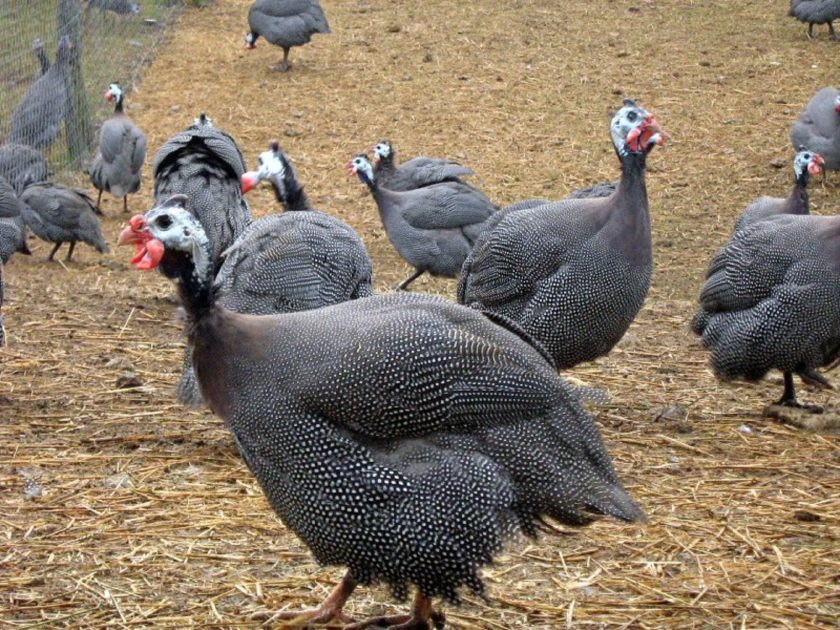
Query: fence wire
(57,110)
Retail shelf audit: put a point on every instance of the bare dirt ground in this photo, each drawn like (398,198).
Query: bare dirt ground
(121,509)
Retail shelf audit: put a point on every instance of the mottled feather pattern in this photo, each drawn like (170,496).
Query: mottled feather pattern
(773,299)
(414,440)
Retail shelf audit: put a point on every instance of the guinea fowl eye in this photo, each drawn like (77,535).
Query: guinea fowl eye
(631,116)
(164,222)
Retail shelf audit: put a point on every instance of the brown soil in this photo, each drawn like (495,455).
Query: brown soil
(122,509)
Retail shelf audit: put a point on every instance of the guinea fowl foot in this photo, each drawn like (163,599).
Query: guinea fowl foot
(283,66)
(422,617)
(329,610)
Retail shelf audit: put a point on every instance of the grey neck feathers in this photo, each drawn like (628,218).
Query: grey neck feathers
(629,228)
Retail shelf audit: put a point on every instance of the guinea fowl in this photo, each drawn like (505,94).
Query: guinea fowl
(41,56)
(805,164)
(816,12)
(402,436)
(37,119)
(772,300)
(818,127)
(12,227)
(59,214)
(285,23)
(122,150)
(120,7)
(21,165)
(205,164)
(574,273)
(416,173)
(433,228)
(286,262)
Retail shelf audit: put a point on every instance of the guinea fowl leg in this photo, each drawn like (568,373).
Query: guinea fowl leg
(329,609)
(125,203)
(70,251)
(99,202)
(788,398)
(283,66)
(813,378)
(810,30)
(54,250)
(404,284)
(422,617)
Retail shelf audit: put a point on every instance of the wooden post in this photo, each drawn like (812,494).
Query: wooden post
(78,128)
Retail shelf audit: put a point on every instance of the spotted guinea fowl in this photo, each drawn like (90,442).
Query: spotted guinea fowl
(416,173)
(60,214)
(204,163)
(816,12)
(122,150)
(402,436)
(433,228)
(573,273)
(285,23)
(12,227)
(36,121)
(818,127)
(772,300)
(21,165)
(281,263)
(805,164)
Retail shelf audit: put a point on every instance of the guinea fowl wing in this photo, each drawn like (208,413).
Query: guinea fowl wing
(493,274)
(447,207)
(425,171)
(274,270)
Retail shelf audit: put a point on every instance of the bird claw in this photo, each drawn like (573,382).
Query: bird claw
(320,615)
(402,622)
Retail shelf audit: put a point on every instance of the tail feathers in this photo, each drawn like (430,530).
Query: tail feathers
(700,321)
(580,494)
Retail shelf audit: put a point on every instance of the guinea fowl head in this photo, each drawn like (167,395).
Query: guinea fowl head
(807,163)
(62,55)
(361,167)
(251,40)
(203,120)
(634,130)
(837,104)
(382,150)
(271,165)
(114,94)
(170,238)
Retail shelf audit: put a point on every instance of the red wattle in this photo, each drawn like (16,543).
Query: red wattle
(814,168)
(149,254)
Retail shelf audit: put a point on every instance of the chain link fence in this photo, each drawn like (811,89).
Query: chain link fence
(57,58)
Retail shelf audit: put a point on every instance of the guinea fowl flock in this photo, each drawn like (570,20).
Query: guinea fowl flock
(404,436)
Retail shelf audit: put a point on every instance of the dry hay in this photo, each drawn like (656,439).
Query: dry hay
(121,509)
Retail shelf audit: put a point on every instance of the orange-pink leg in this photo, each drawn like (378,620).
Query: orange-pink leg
(422,617)
(329,610)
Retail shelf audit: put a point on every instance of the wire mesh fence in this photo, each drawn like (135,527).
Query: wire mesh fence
(57,58)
